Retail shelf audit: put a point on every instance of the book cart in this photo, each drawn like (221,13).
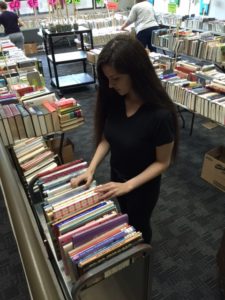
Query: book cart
(124,276)
(55,59)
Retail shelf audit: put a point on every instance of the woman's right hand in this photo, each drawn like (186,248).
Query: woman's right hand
(84,179)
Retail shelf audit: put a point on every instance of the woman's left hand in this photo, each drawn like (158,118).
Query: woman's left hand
(112,189)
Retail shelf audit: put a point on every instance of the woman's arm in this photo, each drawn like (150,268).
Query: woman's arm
(162,162)
(100,153)
(131,18)
(20,23)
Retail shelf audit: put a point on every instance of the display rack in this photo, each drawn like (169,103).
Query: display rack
(55,59)
(156,42)
(115,278)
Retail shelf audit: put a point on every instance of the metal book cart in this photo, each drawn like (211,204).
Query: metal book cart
(54,60)
(126,276)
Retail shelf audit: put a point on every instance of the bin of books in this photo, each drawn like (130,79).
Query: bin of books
(96,252)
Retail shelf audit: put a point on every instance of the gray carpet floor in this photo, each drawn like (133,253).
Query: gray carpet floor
(187,223)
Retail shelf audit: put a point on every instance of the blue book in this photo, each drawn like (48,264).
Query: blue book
(99,246)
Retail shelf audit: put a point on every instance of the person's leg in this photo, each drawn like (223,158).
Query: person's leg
(141,36)
(17,39)
(139,205)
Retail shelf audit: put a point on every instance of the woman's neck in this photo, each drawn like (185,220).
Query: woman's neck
(132,98)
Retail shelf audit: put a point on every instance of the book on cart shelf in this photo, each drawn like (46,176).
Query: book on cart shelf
(83,230)
(32,156)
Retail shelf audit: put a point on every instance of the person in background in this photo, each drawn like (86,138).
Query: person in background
(11,23)
(136,121)
(143,16)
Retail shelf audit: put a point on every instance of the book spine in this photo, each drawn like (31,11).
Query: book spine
(71,115)
(65,102)
(82,237)
(76,206)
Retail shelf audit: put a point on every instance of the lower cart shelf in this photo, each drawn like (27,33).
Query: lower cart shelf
(73,80)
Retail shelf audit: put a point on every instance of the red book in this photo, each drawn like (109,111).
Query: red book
(183,69)
(22,89)
(49,106)
(54,114)
(62,103)
(60,168)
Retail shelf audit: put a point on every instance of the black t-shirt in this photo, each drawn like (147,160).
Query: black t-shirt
(133,140)
(10,22)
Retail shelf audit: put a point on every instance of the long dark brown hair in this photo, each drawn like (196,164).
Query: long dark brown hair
(127,56)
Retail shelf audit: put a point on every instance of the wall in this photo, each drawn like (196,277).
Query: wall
(217,9)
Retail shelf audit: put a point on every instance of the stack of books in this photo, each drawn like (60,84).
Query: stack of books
(186,69)
(70,113)
(33,157)
(7,97)
(84,230)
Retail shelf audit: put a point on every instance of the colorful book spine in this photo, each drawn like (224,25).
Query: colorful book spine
(71,115)
(62,172)
(107,242)
(62,103)
(77,206)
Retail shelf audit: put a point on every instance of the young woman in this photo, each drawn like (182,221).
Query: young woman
(143,16)
(137,123)
(11,23)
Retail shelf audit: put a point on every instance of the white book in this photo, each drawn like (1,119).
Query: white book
(39,100)
(3,133)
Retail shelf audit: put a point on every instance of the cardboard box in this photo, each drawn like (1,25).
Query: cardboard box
(30,48)
(213,169)
(67,151)
(92,55)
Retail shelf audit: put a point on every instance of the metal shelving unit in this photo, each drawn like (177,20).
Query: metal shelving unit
(56,59)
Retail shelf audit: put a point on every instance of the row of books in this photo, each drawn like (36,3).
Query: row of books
(105,23)
(12,89)
(207,101)
(168,19)
(192,22)
(85,231)
(83,18)
(33,156)
(38,116)
(161,62)
(12,57)
(18,73)
(197,45)
(206,24)
(104,35)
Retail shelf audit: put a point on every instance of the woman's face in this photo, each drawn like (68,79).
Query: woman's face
(121,83)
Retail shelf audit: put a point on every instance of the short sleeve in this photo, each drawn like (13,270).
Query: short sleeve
(132,16)
(166,129)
